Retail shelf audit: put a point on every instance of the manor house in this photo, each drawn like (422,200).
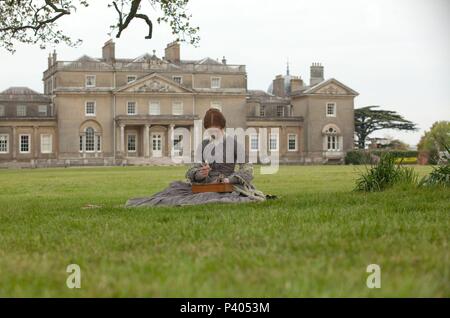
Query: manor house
(109,110)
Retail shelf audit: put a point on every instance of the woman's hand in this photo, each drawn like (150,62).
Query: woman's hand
(226,180)
(204,171)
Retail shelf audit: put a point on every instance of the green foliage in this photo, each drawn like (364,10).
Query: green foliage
(368,120)
(440,176)
(435,140)
(385,174)
(397,153)
(357,157)
(360,157)
(36,22)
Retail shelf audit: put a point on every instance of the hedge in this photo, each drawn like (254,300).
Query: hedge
(360,157)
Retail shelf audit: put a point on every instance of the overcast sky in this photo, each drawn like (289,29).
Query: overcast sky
(394,53)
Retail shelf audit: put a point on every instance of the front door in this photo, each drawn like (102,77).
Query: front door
(156,144)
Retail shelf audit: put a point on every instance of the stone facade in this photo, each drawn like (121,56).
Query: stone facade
(108,110)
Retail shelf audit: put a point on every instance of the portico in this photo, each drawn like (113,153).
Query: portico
(149,136)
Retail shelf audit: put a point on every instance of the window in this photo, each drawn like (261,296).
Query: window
(90,108)
(131,108)
(273,142)
(262,110)
(215,82)
(46,143)
(89,140)
(178,79)
(2,110)
(4,140)
(154,108)
(177,108)
(332,139)
(331,109)
(131,144)
(42,110)
(24,143)
(21,110)
(332,143)
(131,78)
(216,105)
(292,142)
(280,111)
(90,80)
(99,143)
(178,145)
(254,142)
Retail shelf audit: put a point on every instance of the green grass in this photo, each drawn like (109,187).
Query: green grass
(315,240)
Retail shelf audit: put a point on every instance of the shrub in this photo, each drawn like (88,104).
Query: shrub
(385,174)
(357,157)
(397,153)
(439,176)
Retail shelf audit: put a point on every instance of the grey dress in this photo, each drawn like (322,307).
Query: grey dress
(239,173)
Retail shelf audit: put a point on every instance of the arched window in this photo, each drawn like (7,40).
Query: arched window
(332,138)
(90,140)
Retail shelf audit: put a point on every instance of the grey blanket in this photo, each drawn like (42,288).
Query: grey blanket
(180,193)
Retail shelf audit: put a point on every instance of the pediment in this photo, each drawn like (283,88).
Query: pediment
(154,84)
(331,87)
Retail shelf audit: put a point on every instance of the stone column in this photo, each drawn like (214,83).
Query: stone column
(35,142)
(191,143)
(14,143)
(122,139)
(147,141)
(170,137)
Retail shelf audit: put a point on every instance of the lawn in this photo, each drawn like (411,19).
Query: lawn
(315,240)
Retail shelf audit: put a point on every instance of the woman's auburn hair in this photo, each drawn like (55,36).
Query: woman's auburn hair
(214,118)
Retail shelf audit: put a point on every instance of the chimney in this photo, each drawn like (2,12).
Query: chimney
(296,84)
(224,61)
(54,57)
(316,74)
(278,86)
(109,51)
(172,52)
(49,60)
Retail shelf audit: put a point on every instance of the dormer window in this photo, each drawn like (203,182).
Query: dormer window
(215,82)
(90,80)
(280,111)
(21,110)
(42,110)
(262,110)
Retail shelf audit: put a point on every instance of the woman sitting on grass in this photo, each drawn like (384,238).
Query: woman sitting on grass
(239,174)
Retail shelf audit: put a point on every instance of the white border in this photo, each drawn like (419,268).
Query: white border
(296,142)
(7,144)
(29,143)
(95,108)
